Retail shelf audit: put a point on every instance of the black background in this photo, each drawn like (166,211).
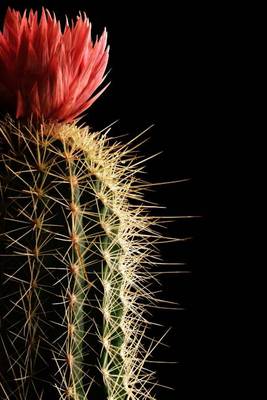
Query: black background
(162,73)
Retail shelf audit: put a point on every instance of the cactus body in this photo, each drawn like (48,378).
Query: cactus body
(74,240)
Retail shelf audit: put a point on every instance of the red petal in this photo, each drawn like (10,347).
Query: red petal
(20,105)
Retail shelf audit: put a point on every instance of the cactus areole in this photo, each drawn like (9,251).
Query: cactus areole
(76,240)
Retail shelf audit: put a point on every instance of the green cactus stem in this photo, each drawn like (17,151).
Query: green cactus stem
(76,244)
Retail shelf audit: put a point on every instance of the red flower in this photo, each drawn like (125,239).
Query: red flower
(48,73)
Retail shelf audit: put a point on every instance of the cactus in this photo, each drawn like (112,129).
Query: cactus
(77,241)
